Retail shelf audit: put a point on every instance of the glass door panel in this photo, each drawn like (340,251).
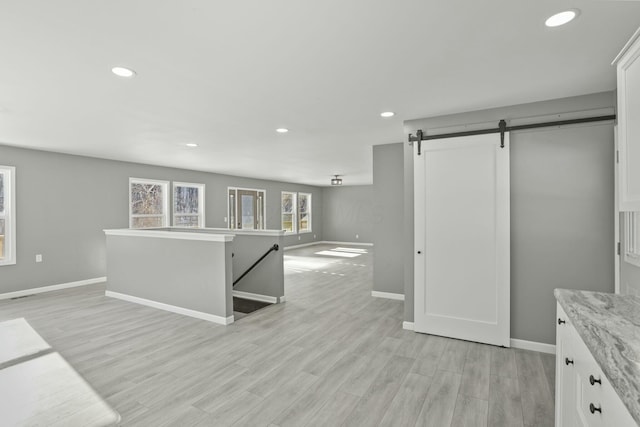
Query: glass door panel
(247,206)
(246,209)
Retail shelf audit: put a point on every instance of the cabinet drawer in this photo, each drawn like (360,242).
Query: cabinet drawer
(592,386)
(597,403)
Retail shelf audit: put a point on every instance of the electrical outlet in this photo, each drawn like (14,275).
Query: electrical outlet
(225,219)
(299,237)
(314,236)
(39,258)
(357,236)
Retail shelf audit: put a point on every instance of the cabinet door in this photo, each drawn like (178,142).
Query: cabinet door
(589,397)
(628,70)
(565,372)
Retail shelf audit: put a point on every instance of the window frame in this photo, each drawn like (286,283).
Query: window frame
(294,213)
(632,238)
(9,215)
(235,196)
(165,201)
(308,212)
(201,200)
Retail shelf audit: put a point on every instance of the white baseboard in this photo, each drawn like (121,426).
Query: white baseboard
(326,242)
(282,299)
(409,326)
(387,295)
(255,297)
(172,308)
(42,289)
(303,245)
(534,346)
(515,343)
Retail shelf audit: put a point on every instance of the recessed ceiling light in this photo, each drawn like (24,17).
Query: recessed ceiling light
(387,114)
(561,18)
(191,144)
(123,72)
(282,130)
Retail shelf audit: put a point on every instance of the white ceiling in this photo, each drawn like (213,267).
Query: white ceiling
(226,74)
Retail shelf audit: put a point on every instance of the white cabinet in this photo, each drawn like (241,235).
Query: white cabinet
(584,396)
(565,371)
(628,114)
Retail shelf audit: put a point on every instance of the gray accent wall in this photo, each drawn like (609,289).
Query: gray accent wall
(562,205)
(65,201)
(388,221)
(348,212)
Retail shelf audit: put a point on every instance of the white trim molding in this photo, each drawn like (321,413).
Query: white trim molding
(169,233)
(255,297)
(387,295)
(172,308)
(533,345)
(409,326)
(626,47)
(303,245)
(265,232)
(51,288)
(329,242)
(282,299)
(325,242)
(515,343)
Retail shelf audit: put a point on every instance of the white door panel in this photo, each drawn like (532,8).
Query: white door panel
(462,234)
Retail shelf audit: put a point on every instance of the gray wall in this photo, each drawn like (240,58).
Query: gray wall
(195,274)
(629,273)
(348,211)
(267,278)
(409,235)
(64,202)
(388,221)
(562,221)
(575,157)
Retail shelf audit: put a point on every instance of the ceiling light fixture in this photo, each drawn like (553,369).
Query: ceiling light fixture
(387,114)
(282,130)
(191,144)
(561,18)
(123,72)
(336,180)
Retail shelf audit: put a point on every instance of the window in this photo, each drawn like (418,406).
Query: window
(188,205)
(289,212)
(632,237)
(7,215)
(148,203)
(304,212)
(246,209)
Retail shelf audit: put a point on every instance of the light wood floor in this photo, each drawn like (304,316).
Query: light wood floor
(331,355)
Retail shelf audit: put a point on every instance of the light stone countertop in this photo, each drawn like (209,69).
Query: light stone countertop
(609,325)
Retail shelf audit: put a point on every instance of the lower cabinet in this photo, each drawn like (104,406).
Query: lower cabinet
(584,396)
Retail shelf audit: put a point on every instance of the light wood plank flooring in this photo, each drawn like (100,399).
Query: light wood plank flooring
(331,355)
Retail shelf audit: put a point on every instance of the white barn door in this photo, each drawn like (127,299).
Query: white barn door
(462,264)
